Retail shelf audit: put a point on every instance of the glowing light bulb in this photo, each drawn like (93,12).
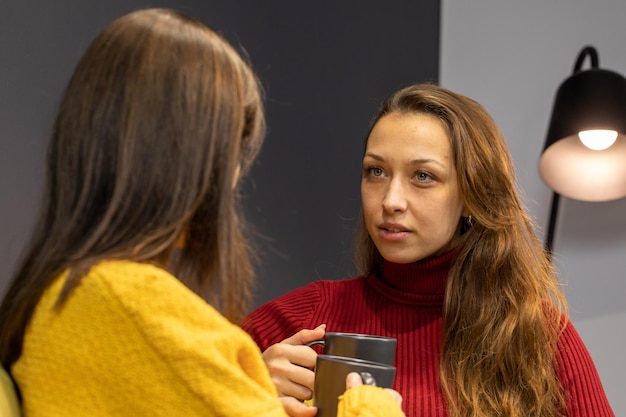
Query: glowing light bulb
(597,139)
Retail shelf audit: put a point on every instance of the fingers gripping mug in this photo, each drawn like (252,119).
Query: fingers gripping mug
(330,379)
(370,356)
(362,346)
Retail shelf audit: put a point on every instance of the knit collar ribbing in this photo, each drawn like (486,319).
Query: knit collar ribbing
(422,282)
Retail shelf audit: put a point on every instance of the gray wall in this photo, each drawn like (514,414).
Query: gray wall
(325,66)
(511,57)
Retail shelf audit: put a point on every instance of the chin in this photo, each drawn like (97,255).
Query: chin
(402,259)
(408,258)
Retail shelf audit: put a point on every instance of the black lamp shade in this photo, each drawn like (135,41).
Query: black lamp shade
(591,99)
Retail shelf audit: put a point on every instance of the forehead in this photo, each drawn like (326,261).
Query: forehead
(411,135)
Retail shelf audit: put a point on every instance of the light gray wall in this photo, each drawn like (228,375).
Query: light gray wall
(511,57)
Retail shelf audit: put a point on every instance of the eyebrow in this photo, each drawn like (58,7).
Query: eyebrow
(412,162)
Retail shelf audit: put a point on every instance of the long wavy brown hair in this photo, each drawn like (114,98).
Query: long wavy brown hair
(158,119)
(504,309)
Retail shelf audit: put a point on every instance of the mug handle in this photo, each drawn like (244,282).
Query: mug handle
(316,342)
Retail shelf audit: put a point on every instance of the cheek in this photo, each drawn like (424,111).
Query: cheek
(441,213)
(451,216)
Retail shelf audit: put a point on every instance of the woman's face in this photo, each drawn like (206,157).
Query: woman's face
(409,190)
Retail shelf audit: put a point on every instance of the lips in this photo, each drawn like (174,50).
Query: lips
(392,232)
(393,228)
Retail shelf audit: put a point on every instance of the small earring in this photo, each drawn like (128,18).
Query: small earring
(469,221)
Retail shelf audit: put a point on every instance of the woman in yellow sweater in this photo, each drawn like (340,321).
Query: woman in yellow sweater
(124,302)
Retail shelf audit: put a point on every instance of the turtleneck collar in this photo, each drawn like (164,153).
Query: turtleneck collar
(422,282)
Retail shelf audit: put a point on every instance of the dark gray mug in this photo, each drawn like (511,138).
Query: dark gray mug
(362,346)
(330,379)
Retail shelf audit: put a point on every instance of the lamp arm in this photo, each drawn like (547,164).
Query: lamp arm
(552,224)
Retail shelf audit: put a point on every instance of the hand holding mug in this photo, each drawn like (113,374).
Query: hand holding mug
(291,363)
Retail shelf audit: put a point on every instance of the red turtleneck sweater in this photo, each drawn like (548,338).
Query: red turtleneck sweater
(406,303)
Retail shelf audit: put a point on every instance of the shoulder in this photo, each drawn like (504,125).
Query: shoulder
(136,284)
(571,346)
(314,293)
(143,281)
(127,298)
(295,310)
(134,306)
(579,376)
(122,276)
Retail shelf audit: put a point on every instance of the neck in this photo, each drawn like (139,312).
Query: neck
(422,282)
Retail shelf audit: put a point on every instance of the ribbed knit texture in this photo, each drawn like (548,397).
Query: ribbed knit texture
(350,404)
(132,340)
(406,303)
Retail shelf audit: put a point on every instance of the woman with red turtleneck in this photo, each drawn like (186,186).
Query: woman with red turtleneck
(452,268)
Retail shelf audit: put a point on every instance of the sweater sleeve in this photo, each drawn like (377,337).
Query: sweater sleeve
(583,389)
(379,403)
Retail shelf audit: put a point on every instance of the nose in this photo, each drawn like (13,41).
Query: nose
(395,199)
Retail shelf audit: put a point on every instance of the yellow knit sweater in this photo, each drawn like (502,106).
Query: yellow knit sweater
(132,340)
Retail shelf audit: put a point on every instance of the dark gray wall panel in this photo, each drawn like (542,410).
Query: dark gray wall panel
(325,67)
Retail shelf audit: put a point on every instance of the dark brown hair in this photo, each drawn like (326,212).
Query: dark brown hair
(503,303)
(156,121)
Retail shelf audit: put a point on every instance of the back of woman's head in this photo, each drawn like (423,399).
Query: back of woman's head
(158,119)
(150,128)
